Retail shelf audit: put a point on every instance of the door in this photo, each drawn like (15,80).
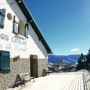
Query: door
(34,65)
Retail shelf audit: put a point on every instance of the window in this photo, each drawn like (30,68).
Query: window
(2,17)
(20,28)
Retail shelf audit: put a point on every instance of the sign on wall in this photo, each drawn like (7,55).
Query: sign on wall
(15,42)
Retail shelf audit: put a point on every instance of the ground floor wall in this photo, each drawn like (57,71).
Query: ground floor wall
(19,66)
(43,65)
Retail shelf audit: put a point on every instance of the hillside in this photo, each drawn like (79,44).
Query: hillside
(63,58)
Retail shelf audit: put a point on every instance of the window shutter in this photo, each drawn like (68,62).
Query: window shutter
(4,61)
(2,17)
(26,30)
(15,26)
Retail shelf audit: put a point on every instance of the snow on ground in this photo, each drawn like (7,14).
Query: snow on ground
(58,81)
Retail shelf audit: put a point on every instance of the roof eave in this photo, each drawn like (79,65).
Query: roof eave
(33,24)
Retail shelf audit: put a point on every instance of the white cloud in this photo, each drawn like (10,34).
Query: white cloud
(75,50)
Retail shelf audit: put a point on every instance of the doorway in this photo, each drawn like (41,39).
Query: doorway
(34,65)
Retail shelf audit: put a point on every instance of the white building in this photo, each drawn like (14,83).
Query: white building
(22,40)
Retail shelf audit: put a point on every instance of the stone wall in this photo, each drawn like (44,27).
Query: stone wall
(42,64)
(17,66)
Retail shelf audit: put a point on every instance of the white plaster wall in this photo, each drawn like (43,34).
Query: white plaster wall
(32,44)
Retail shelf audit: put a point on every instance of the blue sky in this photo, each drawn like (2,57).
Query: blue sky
(65,24)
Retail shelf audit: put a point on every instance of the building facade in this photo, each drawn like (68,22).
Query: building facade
(22,45)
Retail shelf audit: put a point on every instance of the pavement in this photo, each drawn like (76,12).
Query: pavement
(59,81)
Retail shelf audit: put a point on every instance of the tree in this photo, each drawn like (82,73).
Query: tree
(88,56)
(82,62)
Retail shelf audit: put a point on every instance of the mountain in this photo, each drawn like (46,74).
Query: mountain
(69,59)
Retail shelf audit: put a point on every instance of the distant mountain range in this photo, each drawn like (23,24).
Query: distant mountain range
(69,59)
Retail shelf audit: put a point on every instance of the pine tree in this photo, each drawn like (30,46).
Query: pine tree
(80,62)
(88,56)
